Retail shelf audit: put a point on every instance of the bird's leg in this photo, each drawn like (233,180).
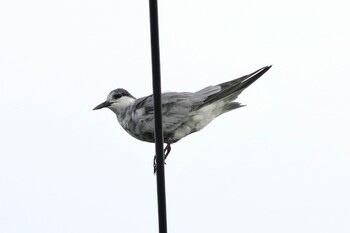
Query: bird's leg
(166,152)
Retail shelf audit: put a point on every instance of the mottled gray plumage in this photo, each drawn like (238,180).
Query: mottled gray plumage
(183,112)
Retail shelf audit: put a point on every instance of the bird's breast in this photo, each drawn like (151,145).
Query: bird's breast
(135,124)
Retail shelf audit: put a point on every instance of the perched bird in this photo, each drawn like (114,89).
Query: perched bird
(183,112)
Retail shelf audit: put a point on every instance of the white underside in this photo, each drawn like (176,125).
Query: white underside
(202,118)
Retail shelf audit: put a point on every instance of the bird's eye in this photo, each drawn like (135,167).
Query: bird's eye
(117,96)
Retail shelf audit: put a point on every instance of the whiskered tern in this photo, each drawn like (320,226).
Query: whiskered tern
(183,112)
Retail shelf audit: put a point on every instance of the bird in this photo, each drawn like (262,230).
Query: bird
(183,113)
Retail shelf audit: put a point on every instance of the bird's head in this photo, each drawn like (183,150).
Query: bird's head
(117,100)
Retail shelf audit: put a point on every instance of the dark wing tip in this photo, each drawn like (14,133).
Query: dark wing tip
(262,70)
(251,78)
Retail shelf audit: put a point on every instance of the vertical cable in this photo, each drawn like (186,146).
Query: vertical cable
(162,221)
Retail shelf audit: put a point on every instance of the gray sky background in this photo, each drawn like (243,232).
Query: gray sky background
(281,164)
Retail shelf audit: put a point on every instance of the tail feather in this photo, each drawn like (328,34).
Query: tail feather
(231,105)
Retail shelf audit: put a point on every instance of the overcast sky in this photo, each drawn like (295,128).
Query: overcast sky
(280,164)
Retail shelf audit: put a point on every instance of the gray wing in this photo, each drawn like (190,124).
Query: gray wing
(177,107)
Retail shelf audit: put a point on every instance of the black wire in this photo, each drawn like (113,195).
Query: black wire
(162,221)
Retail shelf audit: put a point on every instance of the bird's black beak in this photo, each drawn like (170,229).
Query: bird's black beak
(103,105)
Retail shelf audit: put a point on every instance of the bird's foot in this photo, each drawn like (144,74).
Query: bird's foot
(166,152)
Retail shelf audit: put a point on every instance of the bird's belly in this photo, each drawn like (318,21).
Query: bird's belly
(197,122)
(145,136)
